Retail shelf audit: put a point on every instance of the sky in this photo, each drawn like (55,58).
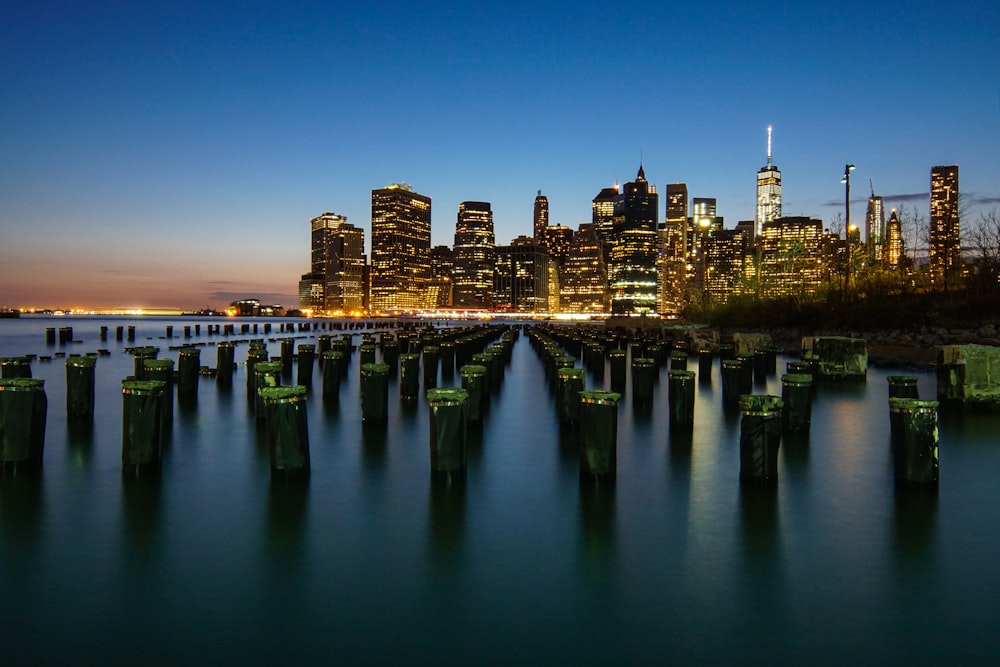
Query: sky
(171,154)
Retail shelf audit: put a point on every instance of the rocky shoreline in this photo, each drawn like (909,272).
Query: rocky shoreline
(891,348)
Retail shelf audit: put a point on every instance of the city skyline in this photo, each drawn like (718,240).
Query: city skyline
(174,156)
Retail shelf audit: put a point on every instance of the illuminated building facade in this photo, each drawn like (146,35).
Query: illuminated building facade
(791,257)
(557,241)
(311,290)
(475,252)
(583,279)
(442,273)
(875,231)
(541,218)
(673,267)
(724,254)
(401,244)
(602,209)
(632,274)
(336,281)
(944,246)
(521,276)
(892,250)
(768,191)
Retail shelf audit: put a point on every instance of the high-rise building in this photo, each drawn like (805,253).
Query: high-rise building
(725,254)
(541,217)
(557,241)
(702,222)
(475,251)
(632,272)
(675,221)
(768,190)
(521,276)
(673,267)
(603,216)
(442,273)
(944,246)
(336,279)
(791,257)
(892,250)
(583,280)
(875,224)
(401,245)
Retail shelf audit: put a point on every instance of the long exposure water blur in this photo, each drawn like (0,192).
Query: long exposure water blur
(369,562)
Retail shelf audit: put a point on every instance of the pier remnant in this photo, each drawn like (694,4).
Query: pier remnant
(23,408)
(970,375)
(287,428)
(836,357)
(760,436)
(142,425)
(447,434)
(598,436)
(80,388)
(914,440)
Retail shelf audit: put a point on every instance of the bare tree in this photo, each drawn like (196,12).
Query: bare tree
(984,238)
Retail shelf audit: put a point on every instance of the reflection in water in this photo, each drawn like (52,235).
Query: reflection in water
(597,523)
(373,444)
(80,441)
(141,508)
(759,526)
(20,503)
(286,511)
(446,522)
(569,445)
(795,451)
(914,521)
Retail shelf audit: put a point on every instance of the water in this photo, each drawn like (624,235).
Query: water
(369,563)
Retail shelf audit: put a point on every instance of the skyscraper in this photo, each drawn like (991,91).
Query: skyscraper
(475,251)
(337,266)
(768,191)
(944,247)
(875,224)
(892,252)
(521,276)
(634,284)
(673,265)
(541,218)
(583,280)
(401,245)
(603,216)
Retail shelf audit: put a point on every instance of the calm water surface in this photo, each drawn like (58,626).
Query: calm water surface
(370,563)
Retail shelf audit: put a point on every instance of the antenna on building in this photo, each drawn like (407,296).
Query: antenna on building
(769,145)
(872,186)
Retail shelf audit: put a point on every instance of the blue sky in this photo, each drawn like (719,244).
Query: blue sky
(172,154)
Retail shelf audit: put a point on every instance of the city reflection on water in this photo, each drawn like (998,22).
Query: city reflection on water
(370,561)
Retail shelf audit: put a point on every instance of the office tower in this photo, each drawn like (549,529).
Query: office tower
(892,251)
(944,247)
(632,272)
(768,190)
(401,245)
(583,279)
(603,216)
(673,267)
(875,223)
(311,291)
(725,253)
(336,278)
(442,274)
(475,252)
(675,222)
(541,218)
(557,241)
(521,276)
(791,257)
